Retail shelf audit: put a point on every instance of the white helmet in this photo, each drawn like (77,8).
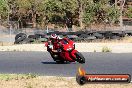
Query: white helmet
(58,37)
(54,36)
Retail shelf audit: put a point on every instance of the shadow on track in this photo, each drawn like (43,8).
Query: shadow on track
(58,63)
(48,62)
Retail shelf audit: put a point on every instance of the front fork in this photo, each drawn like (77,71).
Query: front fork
(70,56)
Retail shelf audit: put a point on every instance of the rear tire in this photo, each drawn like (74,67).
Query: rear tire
(80,57)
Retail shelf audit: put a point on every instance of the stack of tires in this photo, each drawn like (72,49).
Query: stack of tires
(87,36)
(21,38)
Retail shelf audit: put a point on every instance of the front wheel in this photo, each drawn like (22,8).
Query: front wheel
(80,57)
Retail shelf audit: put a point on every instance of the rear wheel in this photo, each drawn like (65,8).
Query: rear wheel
(80,57)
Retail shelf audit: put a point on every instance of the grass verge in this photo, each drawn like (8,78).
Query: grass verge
(8,77)
(106,49)
(34,81)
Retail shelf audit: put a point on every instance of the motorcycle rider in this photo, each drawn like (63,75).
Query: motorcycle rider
(53,42)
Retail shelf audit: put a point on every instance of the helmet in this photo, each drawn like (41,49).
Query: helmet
(58,37)
(53,36)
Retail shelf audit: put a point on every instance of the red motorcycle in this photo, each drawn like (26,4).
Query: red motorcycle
(65,51)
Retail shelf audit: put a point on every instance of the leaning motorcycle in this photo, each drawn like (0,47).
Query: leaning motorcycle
(65,52)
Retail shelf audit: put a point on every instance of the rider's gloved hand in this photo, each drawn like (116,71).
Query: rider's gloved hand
(50,46)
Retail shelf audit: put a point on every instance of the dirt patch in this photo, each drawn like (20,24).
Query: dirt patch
(6,44)
(81,47)
(52,82)
(115,46)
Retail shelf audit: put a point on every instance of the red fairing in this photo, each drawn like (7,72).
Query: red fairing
(67,48)
(66,56)
(73,53)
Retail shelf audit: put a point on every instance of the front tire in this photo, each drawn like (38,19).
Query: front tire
(80,57)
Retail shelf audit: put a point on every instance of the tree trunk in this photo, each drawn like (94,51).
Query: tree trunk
(121,10)
(80,12)
(34,16)
(115,3)
(69,20)
(34,21)
(0,18)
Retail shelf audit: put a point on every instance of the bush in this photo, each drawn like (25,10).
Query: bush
(129,12)
(106,49)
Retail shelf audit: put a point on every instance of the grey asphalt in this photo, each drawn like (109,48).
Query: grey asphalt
(41,63)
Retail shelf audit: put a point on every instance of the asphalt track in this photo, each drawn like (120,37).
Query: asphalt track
(42,64)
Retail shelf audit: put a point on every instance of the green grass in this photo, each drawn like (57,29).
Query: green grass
(95,51)
(7,77)
(106,49)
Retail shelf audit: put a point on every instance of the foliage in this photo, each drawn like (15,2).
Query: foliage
(89,13)
(8,77)
(3,7)
(129,12)
(100,12)
(112,14)
(106,49)
(58,11)
(53,8)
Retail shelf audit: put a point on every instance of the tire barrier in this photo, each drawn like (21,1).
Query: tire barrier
(19,38)
(22,38)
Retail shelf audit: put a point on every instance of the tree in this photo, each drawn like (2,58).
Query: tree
(25,6)
(129,12)
(80,11)
(70,8)
(100,12)
(61,10)
(52,8)
(89,13)
(112,14)
(3,8)
(122,2)
(66,12)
